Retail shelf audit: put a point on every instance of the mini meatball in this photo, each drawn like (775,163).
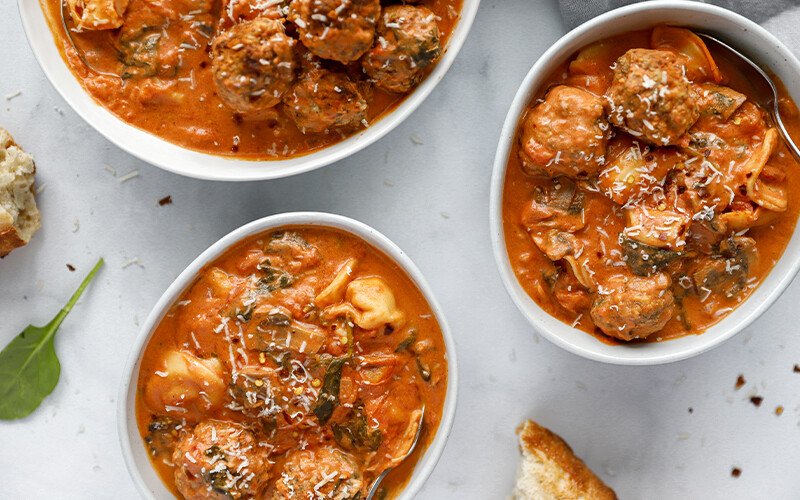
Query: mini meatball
(219,460)
(253,64)
(324,472)
(408,42)
(341,30)
(631,307)
(650,96)
(323,101)
(566,134)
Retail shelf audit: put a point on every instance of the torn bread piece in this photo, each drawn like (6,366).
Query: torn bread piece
(19,216)
(550,470)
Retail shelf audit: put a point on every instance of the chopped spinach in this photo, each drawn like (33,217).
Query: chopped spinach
(408,341)
(424,370)
(356,433)
(645,260)
(329,395)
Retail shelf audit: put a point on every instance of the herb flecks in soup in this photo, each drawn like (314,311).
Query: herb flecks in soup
(251,78)
(296,366)
(647,195)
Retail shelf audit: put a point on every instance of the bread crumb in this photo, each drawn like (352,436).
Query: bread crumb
(740,381)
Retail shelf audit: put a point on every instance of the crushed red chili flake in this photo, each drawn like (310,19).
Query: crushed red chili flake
(740,381)
(756,400)
(779,410)
(736,472)
(70,267)
(167,200)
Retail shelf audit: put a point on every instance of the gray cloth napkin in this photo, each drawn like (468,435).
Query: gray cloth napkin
(574,12)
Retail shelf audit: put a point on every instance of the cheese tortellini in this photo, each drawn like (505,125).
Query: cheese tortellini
(370,303)
(187,386)
(97,14)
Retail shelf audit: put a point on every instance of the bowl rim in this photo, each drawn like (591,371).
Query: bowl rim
(520,298)
(126,395)
(177,159)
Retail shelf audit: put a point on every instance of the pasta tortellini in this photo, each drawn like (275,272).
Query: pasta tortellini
(370,303)
(764,184)
(186,387)
(657,228)
(97,14)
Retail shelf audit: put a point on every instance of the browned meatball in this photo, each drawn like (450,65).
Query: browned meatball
(219,460)
(341,30)
(566,134)
(408,42)
(650,96)
(253,64)
(323,101)
(630,307)
(323,472)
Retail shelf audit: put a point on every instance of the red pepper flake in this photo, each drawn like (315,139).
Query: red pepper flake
(70,267)
(740,381)
(797,368)
(167,200)
(756,400)
(736,472)
(779,410)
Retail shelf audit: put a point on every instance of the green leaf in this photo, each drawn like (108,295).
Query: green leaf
(329,395)
(29,367)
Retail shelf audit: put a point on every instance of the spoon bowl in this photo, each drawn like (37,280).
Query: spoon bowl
(373,489)
(765,92)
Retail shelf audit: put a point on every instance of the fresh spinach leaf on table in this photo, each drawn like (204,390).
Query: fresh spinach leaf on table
(29,367)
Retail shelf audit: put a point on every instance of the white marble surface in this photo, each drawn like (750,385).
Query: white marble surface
(633,425)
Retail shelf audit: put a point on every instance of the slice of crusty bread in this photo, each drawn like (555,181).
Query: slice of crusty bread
(19,217)
(550,470)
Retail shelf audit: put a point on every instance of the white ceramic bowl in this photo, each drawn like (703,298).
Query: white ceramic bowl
(729,26)
(174,158)
(136,458)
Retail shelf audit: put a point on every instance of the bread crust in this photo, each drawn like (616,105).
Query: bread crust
(550,469)
(11,232)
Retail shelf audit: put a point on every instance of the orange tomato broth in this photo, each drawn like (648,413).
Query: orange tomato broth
(185,109)
(528,262)
(405,391)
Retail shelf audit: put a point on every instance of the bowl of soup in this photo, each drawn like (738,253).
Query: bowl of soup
(643,203)
(302,354)
(243,89)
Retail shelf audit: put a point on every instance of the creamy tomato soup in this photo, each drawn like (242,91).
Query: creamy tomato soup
(297,365)
(257,79)
(647,194)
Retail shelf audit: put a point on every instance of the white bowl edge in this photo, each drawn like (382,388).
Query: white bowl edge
(171,157)
(138,463)
(742,33)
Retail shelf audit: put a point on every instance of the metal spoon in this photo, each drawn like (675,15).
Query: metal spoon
(373,489)
(766,91)
(81,55)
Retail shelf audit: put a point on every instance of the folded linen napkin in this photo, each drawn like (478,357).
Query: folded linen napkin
(785,12)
